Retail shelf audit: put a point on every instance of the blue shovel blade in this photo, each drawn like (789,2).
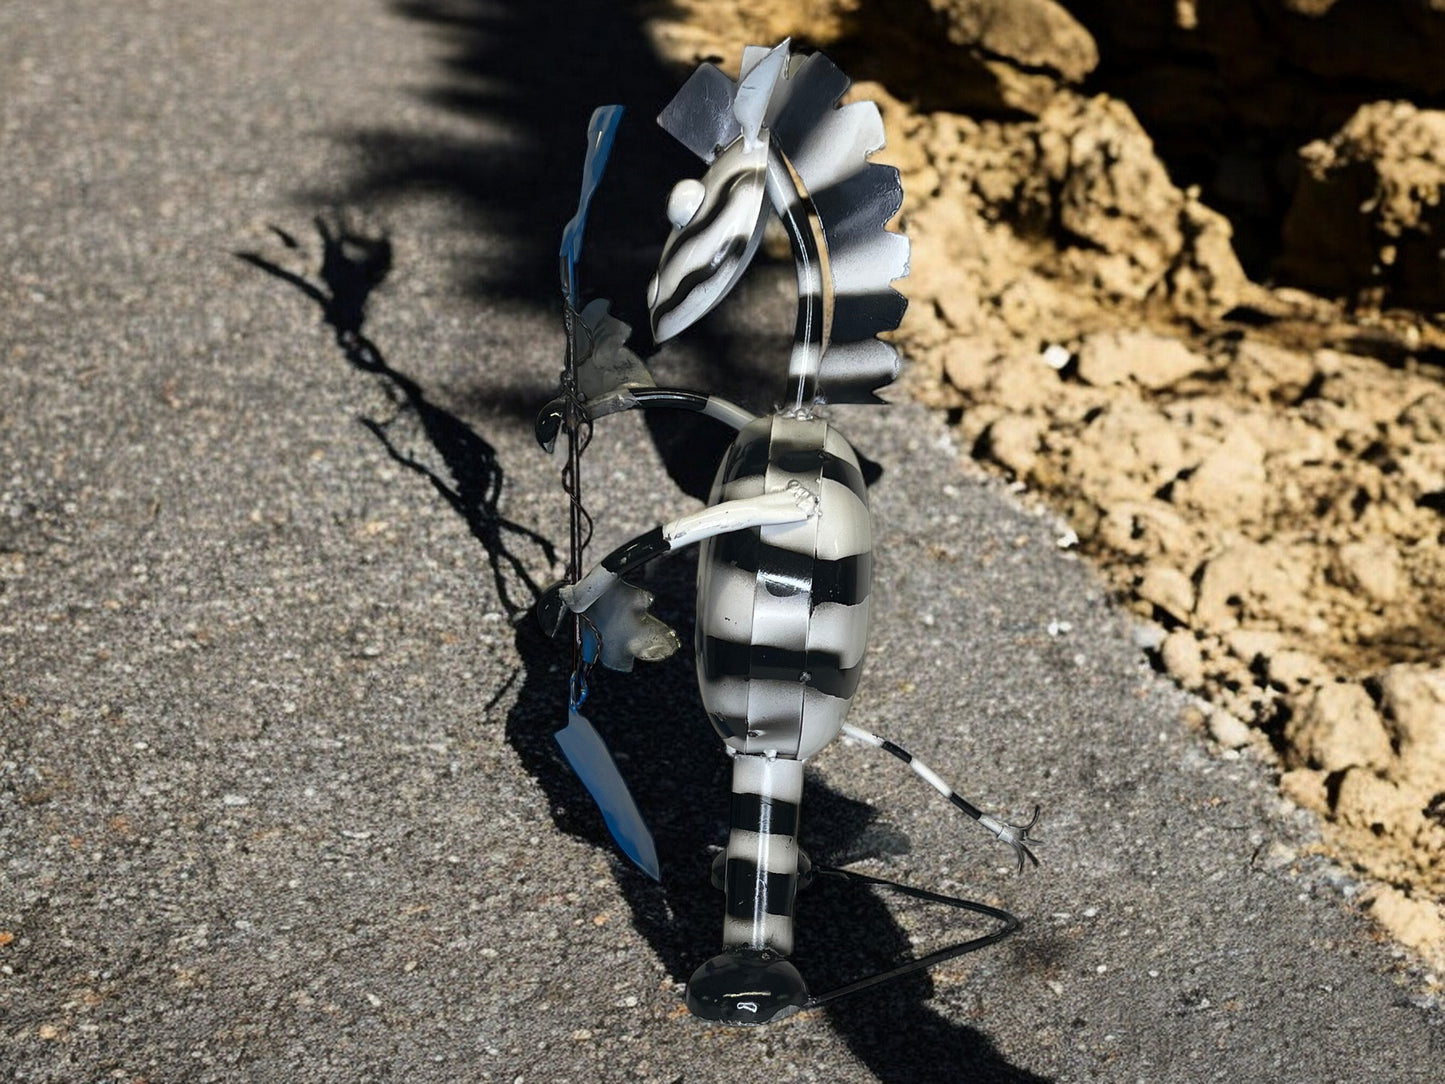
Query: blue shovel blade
(600,133)
(587,753)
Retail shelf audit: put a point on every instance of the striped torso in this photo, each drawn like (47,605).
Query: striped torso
(782,612)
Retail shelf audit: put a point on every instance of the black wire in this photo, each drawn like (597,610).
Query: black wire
(1010,925)
(579,436)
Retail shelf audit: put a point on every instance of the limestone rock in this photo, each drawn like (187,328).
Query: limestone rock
(1145,529)
(1293,671)
(1153,361)
(1336,726)
(1366,219)
(1013,441)
(1229,730)
(1306,788)
(1169,589)
(1417,922)
(1141,237)
(1207,278)
(1365,800)
(1182,658)
(1371,567)
(1231,480)
(1030,34)
(1413,699)
(1116,195)
(966,363)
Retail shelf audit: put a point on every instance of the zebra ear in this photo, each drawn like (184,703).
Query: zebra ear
(700,116)
(760,71)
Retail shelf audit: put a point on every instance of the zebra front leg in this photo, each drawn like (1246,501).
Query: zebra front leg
(791,505)
(552,416)
(752,982)
(626,630)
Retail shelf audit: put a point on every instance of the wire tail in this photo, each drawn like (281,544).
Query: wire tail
(1015,835)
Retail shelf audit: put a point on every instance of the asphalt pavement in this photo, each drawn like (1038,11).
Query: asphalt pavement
(279,799)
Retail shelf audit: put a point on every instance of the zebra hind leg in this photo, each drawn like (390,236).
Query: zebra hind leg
(751,981)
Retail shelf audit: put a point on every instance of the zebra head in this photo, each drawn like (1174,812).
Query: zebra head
(717,223)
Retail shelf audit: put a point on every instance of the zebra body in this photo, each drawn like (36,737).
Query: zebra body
(782,611)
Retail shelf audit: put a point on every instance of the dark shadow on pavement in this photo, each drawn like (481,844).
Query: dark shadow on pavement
(353,264)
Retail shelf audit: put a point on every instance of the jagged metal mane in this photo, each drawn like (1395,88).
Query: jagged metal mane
(827,147)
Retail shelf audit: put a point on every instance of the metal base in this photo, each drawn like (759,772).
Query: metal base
(746,987)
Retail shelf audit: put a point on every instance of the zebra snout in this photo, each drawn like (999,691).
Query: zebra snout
(684,200)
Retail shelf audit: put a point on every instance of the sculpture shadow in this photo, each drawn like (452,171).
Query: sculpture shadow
(353,263)
(518,187)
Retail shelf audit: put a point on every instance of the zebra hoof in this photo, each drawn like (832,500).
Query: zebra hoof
(746,987)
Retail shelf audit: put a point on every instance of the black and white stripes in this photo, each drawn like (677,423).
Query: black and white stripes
(1015,835)
(717,226)
(782,624)
(785,568)
(761,876)
(783,610)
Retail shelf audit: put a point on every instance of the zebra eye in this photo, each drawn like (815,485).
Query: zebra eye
(686,197)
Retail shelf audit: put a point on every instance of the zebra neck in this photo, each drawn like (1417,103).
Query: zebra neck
(810,333)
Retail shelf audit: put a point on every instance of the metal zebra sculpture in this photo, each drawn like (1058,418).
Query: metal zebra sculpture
(785,565)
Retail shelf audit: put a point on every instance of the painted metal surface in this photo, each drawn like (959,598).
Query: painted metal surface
(785,564)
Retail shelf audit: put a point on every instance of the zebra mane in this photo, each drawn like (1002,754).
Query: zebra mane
(826,147)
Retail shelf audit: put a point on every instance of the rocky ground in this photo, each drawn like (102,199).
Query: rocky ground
(1231,388)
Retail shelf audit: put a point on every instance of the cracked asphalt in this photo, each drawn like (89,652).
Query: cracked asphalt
(278,794)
